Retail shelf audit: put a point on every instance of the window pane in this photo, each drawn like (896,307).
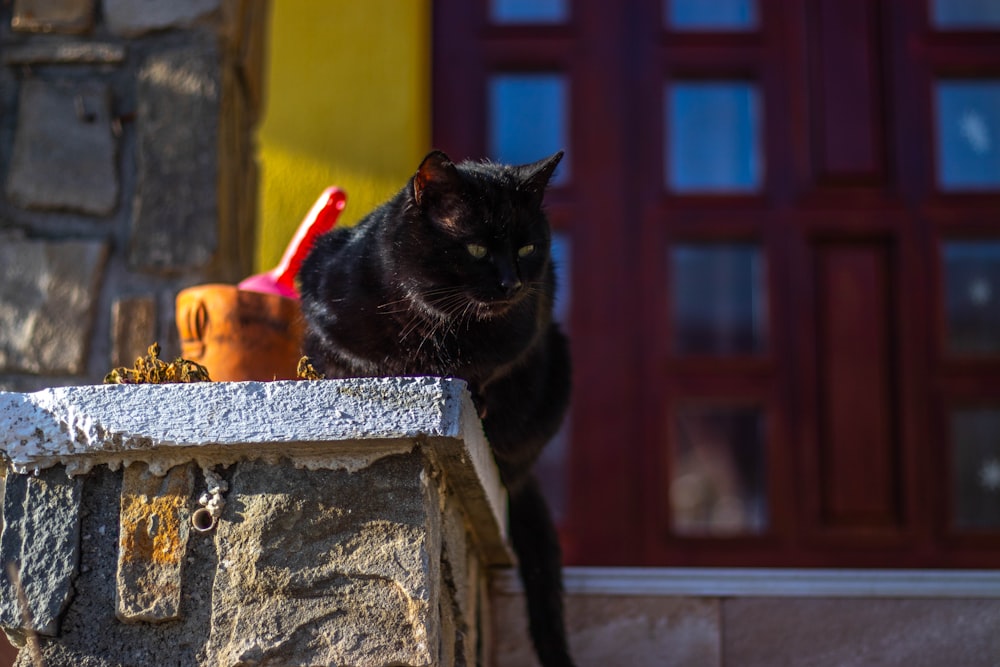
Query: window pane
(975,441)
(968,132)
(552,466)
(966,14)
(552,471)
(713,137)
(528,119)
(561,259)
(719,299)
(718,472)
(972,296)
(529,11)
(710,14)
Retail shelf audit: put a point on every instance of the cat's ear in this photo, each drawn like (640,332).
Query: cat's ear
(535,177)
(435,180)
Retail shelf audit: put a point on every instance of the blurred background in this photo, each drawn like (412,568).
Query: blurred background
(777,235)
(777,232)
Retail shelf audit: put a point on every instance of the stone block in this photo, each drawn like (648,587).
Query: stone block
(328,567)
(71,16)
(133,328)
(63,51)
(90,634)
(154,527)
(131,18)
(459,583)
(41,540)
(64,149)
(48,290)
(175,215)
(779,632)
(608,630)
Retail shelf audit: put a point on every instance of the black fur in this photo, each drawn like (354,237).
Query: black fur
(453,277)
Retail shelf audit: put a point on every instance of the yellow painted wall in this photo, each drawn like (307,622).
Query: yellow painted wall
(347,104)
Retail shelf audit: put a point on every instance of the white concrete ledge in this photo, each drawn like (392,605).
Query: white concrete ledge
(771,582)
(217,423)
(59,425)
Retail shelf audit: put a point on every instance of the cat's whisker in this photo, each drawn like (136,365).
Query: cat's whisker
(412,325)
(439,304)
(448,302)
(405,303)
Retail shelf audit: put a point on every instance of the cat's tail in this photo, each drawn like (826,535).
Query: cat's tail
(540,563)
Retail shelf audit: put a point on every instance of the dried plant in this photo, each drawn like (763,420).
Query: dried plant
(305,371)
(150,369)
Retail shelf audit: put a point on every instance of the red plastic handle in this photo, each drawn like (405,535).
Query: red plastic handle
(320,219)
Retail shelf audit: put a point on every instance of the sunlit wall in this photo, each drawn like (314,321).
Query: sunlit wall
(347,104)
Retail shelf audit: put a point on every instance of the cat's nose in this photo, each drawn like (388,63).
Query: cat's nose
(510,286)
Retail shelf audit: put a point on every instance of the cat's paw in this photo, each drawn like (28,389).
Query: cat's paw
(479,402)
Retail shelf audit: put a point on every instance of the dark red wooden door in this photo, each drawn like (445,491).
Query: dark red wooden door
(779,226)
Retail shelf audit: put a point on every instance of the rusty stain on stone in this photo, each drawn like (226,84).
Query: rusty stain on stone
(151,529)
(154,529)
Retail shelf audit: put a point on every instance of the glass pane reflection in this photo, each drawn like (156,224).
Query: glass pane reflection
(966,14)
(529,11)
(528,119)
(552,466)
(712,137)
(719,299)
(972,296)
(710,14)
(975,458)
(968,134)
(561,260)
(718,472)
(552,471)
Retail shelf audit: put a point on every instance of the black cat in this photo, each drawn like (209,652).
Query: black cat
(453,277)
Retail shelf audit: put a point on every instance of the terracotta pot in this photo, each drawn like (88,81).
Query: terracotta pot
(253,331)
(238,334)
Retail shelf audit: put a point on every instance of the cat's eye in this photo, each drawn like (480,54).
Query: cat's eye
(526,250)
(476,250)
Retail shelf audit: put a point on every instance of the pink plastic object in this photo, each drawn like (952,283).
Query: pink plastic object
(321,218)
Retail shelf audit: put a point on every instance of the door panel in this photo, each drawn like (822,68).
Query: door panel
(848,89)
(858,437)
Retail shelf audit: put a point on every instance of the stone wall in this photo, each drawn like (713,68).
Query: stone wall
(349,522)
(128,173)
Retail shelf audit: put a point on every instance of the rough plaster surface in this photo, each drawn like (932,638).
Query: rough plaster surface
(70,424)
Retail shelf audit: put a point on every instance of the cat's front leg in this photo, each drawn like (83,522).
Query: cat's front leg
(478,399)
